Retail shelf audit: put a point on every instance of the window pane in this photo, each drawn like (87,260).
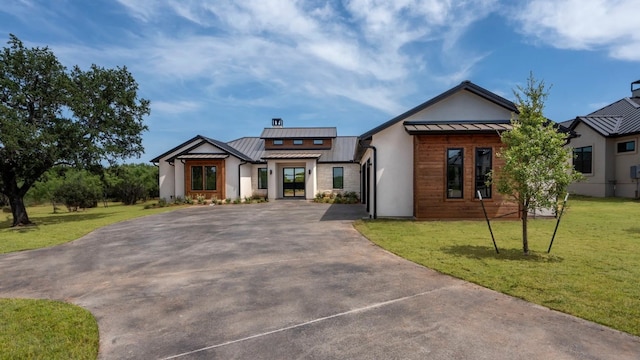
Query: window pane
(277,142)
(582,159)
(262,178)
(483,167)
(626,146)
(454,173)
(297,142)
(338,178)
(196,178)
(318,142)
(210,174)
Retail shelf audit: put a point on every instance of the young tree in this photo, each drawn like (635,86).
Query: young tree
(537,169)
(50,116)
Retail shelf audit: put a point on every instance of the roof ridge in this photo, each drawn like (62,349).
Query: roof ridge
(632,102)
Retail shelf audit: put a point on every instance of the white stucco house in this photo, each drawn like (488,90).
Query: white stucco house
(280,163)
(429,162)
(606,148)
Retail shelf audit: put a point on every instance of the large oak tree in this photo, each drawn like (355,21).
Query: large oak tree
(51,115)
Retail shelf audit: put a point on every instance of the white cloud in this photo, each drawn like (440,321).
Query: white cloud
(585,25)
(177,107)
(355,49)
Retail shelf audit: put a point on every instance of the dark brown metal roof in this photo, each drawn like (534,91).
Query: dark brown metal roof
(415,128)
(299,133)
(464,86)
(202,156)
(291,156)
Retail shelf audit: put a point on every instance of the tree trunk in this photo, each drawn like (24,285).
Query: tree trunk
(525,239)
(20,217)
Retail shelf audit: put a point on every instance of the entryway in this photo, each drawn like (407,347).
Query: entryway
(293,182)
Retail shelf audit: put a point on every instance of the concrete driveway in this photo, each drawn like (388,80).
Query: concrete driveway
(286,280)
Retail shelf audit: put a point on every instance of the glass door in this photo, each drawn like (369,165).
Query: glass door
(293,182)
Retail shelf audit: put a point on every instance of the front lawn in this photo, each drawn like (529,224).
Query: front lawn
(592,271)
(53,229)
(43,329)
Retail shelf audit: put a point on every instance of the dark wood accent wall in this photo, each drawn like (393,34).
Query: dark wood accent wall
(307,144)
(430,178)
(221,185)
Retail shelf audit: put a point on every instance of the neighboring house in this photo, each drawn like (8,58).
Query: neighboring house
(281,163)
(429,162)
(606,148)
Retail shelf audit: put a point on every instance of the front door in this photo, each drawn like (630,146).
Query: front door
(293,182)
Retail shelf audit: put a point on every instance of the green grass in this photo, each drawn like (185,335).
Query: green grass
(592,271)
(43,329)
(53,229)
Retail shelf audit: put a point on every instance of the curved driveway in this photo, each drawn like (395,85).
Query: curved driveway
(286,280)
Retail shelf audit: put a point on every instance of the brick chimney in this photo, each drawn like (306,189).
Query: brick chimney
(635,90)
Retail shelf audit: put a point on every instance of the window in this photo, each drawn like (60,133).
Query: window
(582,159)
(262,178)
(210,178)
(483,167)
(627,146)
(455,167)
(277,142)
(338,178)
(318,142)
(203,178)
(297,142)
(196,178)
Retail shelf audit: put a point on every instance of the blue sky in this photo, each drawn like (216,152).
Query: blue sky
(223,68)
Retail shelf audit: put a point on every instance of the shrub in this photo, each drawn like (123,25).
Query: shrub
(227,200)
(79,191)
(201,199)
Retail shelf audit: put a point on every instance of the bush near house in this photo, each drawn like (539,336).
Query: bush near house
(348,197)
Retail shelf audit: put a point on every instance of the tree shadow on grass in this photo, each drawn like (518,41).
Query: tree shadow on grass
(52,220)
(483,252)
(633,230)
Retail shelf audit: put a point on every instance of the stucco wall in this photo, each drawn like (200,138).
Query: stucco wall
(351,178)
(166,180)
(254,180)
(394,171)
(395,149)
(625,185)
(595,184)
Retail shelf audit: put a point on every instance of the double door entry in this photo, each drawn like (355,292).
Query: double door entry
(293,182)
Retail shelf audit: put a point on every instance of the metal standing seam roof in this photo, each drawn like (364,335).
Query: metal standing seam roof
(343,150)
(299,133)
(617,119)
(197,141)
(202,156)
(463,86)
(290,155)
(456,127)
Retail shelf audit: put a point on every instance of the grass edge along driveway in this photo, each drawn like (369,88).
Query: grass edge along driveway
(591,272)
(39,328)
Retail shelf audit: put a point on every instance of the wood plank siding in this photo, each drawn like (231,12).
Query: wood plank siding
(430,178)
(219,192)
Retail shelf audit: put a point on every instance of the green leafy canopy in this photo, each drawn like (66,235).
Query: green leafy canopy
(537,168)
(50,115)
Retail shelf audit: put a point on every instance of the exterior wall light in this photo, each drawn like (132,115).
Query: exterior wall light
(309,171)
(270,171)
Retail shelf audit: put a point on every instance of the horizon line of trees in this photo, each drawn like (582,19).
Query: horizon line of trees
(86,188)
